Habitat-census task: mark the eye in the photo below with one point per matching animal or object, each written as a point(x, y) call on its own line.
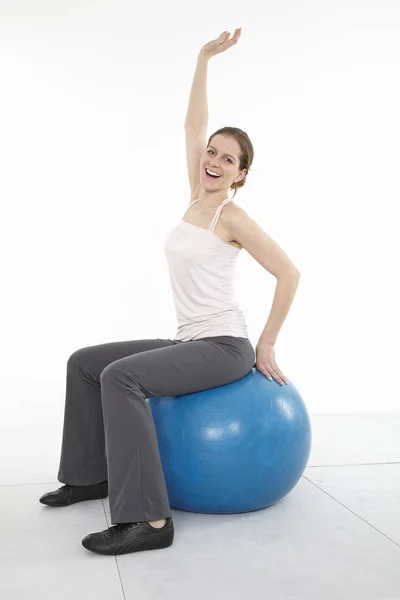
point(230, 160)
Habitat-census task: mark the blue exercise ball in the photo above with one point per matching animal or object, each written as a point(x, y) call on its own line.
point(235, 448)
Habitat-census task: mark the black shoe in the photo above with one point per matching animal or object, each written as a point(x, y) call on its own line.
point(130, 537)
point(69, 494)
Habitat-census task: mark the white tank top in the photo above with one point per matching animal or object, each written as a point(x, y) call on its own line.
point(202, 269)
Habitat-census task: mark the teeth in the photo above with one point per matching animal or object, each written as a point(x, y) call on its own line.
point(212, 172)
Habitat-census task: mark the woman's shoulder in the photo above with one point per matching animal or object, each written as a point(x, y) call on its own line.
point(233, 211)
point(231, 214)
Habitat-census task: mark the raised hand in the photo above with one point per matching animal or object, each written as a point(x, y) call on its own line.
point(222, 43)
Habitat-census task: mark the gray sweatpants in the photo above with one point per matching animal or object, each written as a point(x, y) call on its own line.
point(109, 431)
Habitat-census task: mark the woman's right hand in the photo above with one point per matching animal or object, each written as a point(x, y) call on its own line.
point(221, 44)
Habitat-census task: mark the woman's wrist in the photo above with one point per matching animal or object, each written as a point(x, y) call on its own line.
point(203, 55)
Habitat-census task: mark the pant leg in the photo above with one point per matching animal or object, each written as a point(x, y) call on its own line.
point(136, 483)
point(83, 458)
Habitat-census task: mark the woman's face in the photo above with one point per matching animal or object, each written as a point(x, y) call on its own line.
point(221, 157)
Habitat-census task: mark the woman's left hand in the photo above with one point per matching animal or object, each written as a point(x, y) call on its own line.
point(222, 43)
point(265, 362)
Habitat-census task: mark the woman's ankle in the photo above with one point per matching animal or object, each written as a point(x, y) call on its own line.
point(158, 524)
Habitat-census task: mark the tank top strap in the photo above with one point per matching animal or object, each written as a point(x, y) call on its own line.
point(191, 204)
point(217, 213)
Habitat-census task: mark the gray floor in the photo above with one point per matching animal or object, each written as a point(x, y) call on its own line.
point(335, 536)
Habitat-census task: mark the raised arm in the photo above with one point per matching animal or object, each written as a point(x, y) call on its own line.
point(197, 113)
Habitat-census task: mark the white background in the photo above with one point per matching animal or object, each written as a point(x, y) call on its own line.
point(93, 178)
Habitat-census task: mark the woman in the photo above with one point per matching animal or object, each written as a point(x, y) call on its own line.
point(109, 439)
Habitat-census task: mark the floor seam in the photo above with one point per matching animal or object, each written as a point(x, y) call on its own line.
point(352, 512)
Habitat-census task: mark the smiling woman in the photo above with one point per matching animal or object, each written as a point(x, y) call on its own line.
point(227, 160)
point(219, 165)
point(109, 442)
point(230, 157)
point(229, 152)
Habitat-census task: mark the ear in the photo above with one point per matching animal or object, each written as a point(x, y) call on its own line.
point(241, 175)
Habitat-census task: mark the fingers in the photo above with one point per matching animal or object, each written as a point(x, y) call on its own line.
point(237, 34)
point(280, 377)
point(275, 373)
point(234, 38)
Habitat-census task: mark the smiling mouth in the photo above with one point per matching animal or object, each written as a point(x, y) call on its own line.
point(211, 176)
